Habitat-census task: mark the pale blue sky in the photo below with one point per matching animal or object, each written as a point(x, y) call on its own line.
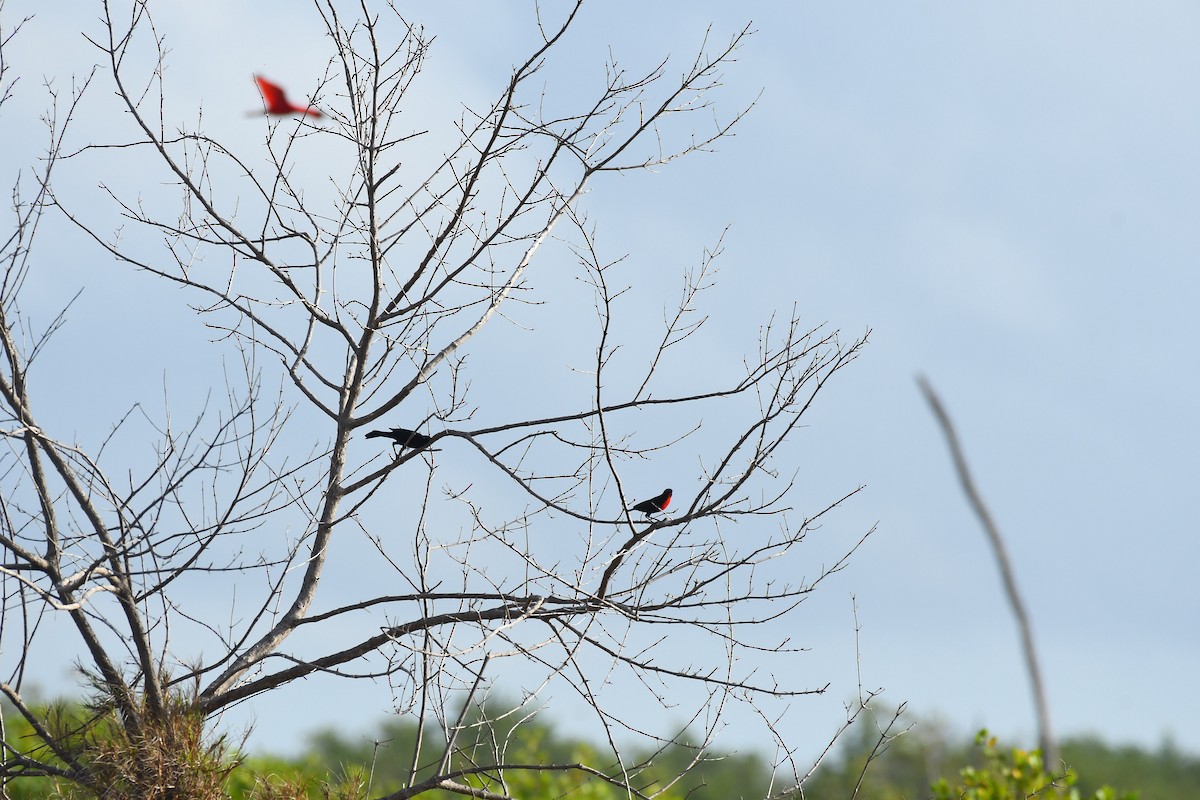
point(1007, 195)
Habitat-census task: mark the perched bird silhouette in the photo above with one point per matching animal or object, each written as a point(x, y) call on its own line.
point(276, 101)
point(403, 437)
point(655, 504)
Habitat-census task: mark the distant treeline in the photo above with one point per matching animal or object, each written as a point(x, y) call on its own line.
point(924, 762)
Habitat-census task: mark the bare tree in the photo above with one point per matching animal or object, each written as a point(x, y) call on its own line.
point(200, 580)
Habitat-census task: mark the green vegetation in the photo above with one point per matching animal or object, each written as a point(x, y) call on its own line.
point(1015, 774)
point(924, 763)
point(169, 758)
point(355, 768)
point(382, 764)
point(927, 763)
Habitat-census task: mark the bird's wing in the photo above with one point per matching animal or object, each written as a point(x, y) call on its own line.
point(273, 95)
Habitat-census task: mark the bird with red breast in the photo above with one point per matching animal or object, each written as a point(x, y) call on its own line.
point(276, 101)
point(655, 505)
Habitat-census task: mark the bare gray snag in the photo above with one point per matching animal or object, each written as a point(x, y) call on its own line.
point(1046, 738)
point(202, 577)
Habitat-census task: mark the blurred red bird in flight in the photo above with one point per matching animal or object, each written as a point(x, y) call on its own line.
point(277, 102)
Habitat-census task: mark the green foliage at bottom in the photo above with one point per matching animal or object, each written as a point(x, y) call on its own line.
point(925, 762)
point(178, 760)
point(543, 765)
point(1015, 774)
point(166, 756)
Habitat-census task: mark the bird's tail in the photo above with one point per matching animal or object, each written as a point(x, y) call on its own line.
point(374, 434)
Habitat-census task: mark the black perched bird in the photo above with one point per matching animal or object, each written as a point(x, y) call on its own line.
point(654, 504)
point(403, 437)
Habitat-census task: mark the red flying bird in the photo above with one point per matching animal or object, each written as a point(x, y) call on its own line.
point(655, 504)
point(277, 102)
